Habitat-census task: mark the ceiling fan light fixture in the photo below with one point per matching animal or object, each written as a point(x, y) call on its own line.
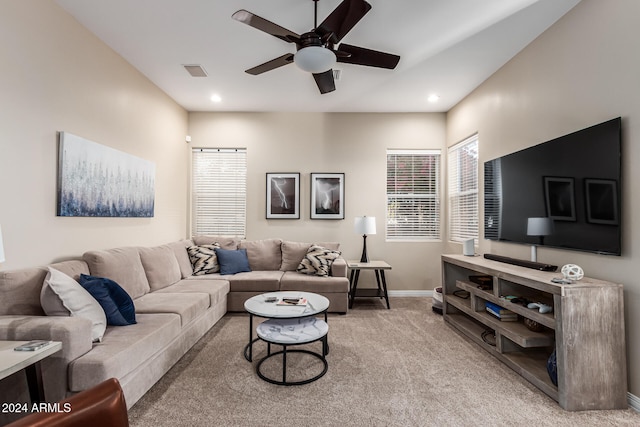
point(314, 59)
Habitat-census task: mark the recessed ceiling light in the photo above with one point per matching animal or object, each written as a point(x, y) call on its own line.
point(433, 98)
point(215, 98)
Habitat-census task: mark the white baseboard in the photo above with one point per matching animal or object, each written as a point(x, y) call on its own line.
point(634, 402)
point(416, 293)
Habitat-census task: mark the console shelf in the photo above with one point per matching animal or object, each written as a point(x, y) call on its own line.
point(586, 328)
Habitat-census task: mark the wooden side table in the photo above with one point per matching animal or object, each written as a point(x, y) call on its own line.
point(12, 361)
point(378, 267)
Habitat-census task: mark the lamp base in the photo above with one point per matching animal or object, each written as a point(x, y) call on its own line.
point(365, 256)
point(534, 253)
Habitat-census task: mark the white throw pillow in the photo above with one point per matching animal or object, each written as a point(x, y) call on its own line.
point(76, 299)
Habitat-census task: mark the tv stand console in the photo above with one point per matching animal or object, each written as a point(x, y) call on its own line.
point(586, 329)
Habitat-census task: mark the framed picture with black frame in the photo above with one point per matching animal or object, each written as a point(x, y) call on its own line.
point(601, 198)
point(560, 198)
point(283, 195)
point(327, 196)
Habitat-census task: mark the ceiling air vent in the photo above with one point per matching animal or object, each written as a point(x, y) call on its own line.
point(195, 70)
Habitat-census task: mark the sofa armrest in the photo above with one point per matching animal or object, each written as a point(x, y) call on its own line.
point(73, 332)
point(339, 267)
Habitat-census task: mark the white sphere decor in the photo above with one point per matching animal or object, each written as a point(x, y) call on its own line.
point(572, 272)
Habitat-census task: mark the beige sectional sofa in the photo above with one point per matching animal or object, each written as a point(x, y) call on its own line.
point(174, 309)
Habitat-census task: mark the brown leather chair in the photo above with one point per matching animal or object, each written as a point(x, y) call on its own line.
point(102, 405)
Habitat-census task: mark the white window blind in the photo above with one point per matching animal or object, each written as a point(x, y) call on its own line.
point(413, 205)
point(463, 190)
point(219, 191)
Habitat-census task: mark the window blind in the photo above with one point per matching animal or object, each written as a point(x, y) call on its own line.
point(463, 190)
point(219, 191)
point(413, 205)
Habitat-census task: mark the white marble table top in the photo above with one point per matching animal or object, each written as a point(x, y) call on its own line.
point(258, 306)
point(292, 331)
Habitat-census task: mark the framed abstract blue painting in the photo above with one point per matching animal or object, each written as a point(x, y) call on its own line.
point(98, 181)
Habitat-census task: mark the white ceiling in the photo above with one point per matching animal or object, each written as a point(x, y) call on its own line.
point(447, 47)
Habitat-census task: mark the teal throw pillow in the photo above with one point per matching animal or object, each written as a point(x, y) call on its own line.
point(232, 261)
point(115, 301)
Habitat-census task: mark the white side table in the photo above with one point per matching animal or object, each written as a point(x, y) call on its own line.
point(378, 267)
point(12, 361)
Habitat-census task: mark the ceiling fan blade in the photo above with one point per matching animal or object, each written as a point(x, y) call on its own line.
point(270, 65)
point(325, 81)
point(343, 19)
point(368, 57)
point(268, 27)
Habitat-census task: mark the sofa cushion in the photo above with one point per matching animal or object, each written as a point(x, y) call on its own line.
point(263, 254)
point(63, 296)
point(224, 242)
point(255, 281)
point(122, 265)
point(180, 250)
point(20, 290)
point(160, 266)
point(318, 261)
point(123, 350)
point(203, 259)
point(216, 289)
point(115, 302)
point(72, 268)
point(294, 252)
point(293, 281)
point(233, 261)
point(186, 305)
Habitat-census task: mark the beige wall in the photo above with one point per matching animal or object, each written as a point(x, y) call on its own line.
point(582, 71)
point(56, 76)
point(315, 142)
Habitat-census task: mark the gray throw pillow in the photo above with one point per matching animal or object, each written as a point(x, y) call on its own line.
point(59, 289)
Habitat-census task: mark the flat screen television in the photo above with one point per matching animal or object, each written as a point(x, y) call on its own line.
point(564, 193)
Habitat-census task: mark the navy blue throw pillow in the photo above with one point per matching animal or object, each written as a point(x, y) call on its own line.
point(115, 301)
point(232, 262)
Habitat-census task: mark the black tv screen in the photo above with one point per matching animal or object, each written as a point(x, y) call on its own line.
point(564, 193)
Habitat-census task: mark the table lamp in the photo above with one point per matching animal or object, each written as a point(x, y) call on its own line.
point(1, 247)
point(365, 225)
point(538, 227)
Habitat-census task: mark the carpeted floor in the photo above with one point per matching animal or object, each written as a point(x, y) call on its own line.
point(398, 367)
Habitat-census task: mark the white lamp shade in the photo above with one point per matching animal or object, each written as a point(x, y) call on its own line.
point(539, 226)
point(315, 59)
point(365, 225)
point(1, 247)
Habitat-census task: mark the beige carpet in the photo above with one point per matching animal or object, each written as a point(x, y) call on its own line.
point(398, 367)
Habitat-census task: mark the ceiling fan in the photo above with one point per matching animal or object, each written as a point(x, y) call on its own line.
point(316, 49)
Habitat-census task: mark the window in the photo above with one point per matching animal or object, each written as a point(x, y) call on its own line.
point(219, 191)
point(413, 205)
point(463, 190)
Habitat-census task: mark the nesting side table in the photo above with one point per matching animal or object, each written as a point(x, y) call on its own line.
point(378, 267)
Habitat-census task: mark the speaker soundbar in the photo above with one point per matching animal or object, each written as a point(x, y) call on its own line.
point(522, 262)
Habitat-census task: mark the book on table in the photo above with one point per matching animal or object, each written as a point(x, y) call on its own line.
point(500, 312)
point(292, 301)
